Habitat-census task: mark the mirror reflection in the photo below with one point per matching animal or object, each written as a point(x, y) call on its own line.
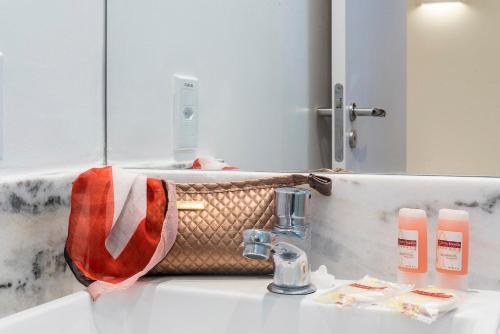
point(366, 86)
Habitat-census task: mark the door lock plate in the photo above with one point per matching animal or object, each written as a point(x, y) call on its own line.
point(339, 122)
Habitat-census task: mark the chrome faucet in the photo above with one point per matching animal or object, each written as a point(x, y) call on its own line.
point(292, 274)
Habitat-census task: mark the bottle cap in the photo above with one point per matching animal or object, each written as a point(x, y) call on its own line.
point(450, 281)
point(412, 213)
point(457, 215)
point(419, 280)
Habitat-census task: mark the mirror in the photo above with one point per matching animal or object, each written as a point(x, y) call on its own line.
point(253, 84)
point(259, 67)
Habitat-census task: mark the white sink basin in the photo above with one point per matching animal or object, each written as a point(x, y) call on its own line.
point(234, 305)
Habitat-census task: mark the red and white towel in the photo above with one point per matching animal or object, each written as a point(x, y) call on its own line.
point(121, 225)
point(210, 163)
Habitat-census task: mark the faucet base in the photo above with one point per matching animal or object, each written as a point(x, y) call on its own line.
point(286, 290)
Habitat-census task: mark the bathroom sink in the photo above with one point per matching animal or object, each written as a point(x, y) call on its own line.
point(233, 305)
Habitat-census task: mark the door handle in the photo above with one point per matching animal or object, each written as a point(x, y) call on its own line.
point(354, 112)
point(324, 112)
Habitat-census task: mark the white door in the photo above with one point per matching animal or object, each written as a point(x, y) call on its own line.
point(369, 69)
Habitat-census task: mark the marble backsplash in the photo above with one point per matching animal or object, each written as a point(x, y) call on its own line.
point(354, 231)
point(34, 220)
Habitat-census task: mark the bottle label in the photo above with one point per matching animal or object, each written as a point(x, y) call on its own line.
point(449, 250)
point(408, 249)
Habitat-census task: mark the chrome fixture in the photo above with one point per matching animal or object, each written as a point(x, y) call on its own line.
point(291, 267)
point(338, 124)
point(324, 112)
point(353, 138)
point(354, 112)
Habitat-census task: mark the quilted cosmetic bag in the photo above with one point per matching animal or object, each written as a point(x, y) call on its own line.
point(212, 217)
point(125, 225)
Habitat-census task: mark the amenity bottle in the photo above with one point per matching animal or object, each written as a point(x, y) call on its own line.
point(452, 249)
point(412, 246)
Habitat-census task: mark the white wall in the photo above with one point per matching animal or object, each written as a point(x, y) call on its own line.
point(453, 88)
point(263, 66)
point(53, 82)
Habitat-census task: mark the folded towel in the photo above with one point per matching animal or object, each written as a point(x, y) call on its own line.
point(120, 226)
point(210, 163)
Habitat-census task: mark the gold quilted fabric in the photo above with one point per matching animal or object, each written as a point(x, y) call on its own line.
point(209, 241)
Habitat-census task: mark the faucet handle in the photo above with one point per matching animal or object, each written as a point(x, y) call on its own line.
point(286, 251)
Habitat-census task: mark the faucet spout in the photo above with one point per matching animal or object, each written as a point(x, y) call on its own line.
point(257, 244)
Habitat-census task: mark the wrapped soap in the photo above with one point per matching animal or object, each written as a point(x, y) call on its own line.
point(366, 291)
point(321, 278)
point(425, 304)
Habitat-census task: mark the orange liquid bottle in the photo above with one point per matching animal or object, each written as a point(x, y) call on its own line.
point(412, 246)
point(452, 249)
